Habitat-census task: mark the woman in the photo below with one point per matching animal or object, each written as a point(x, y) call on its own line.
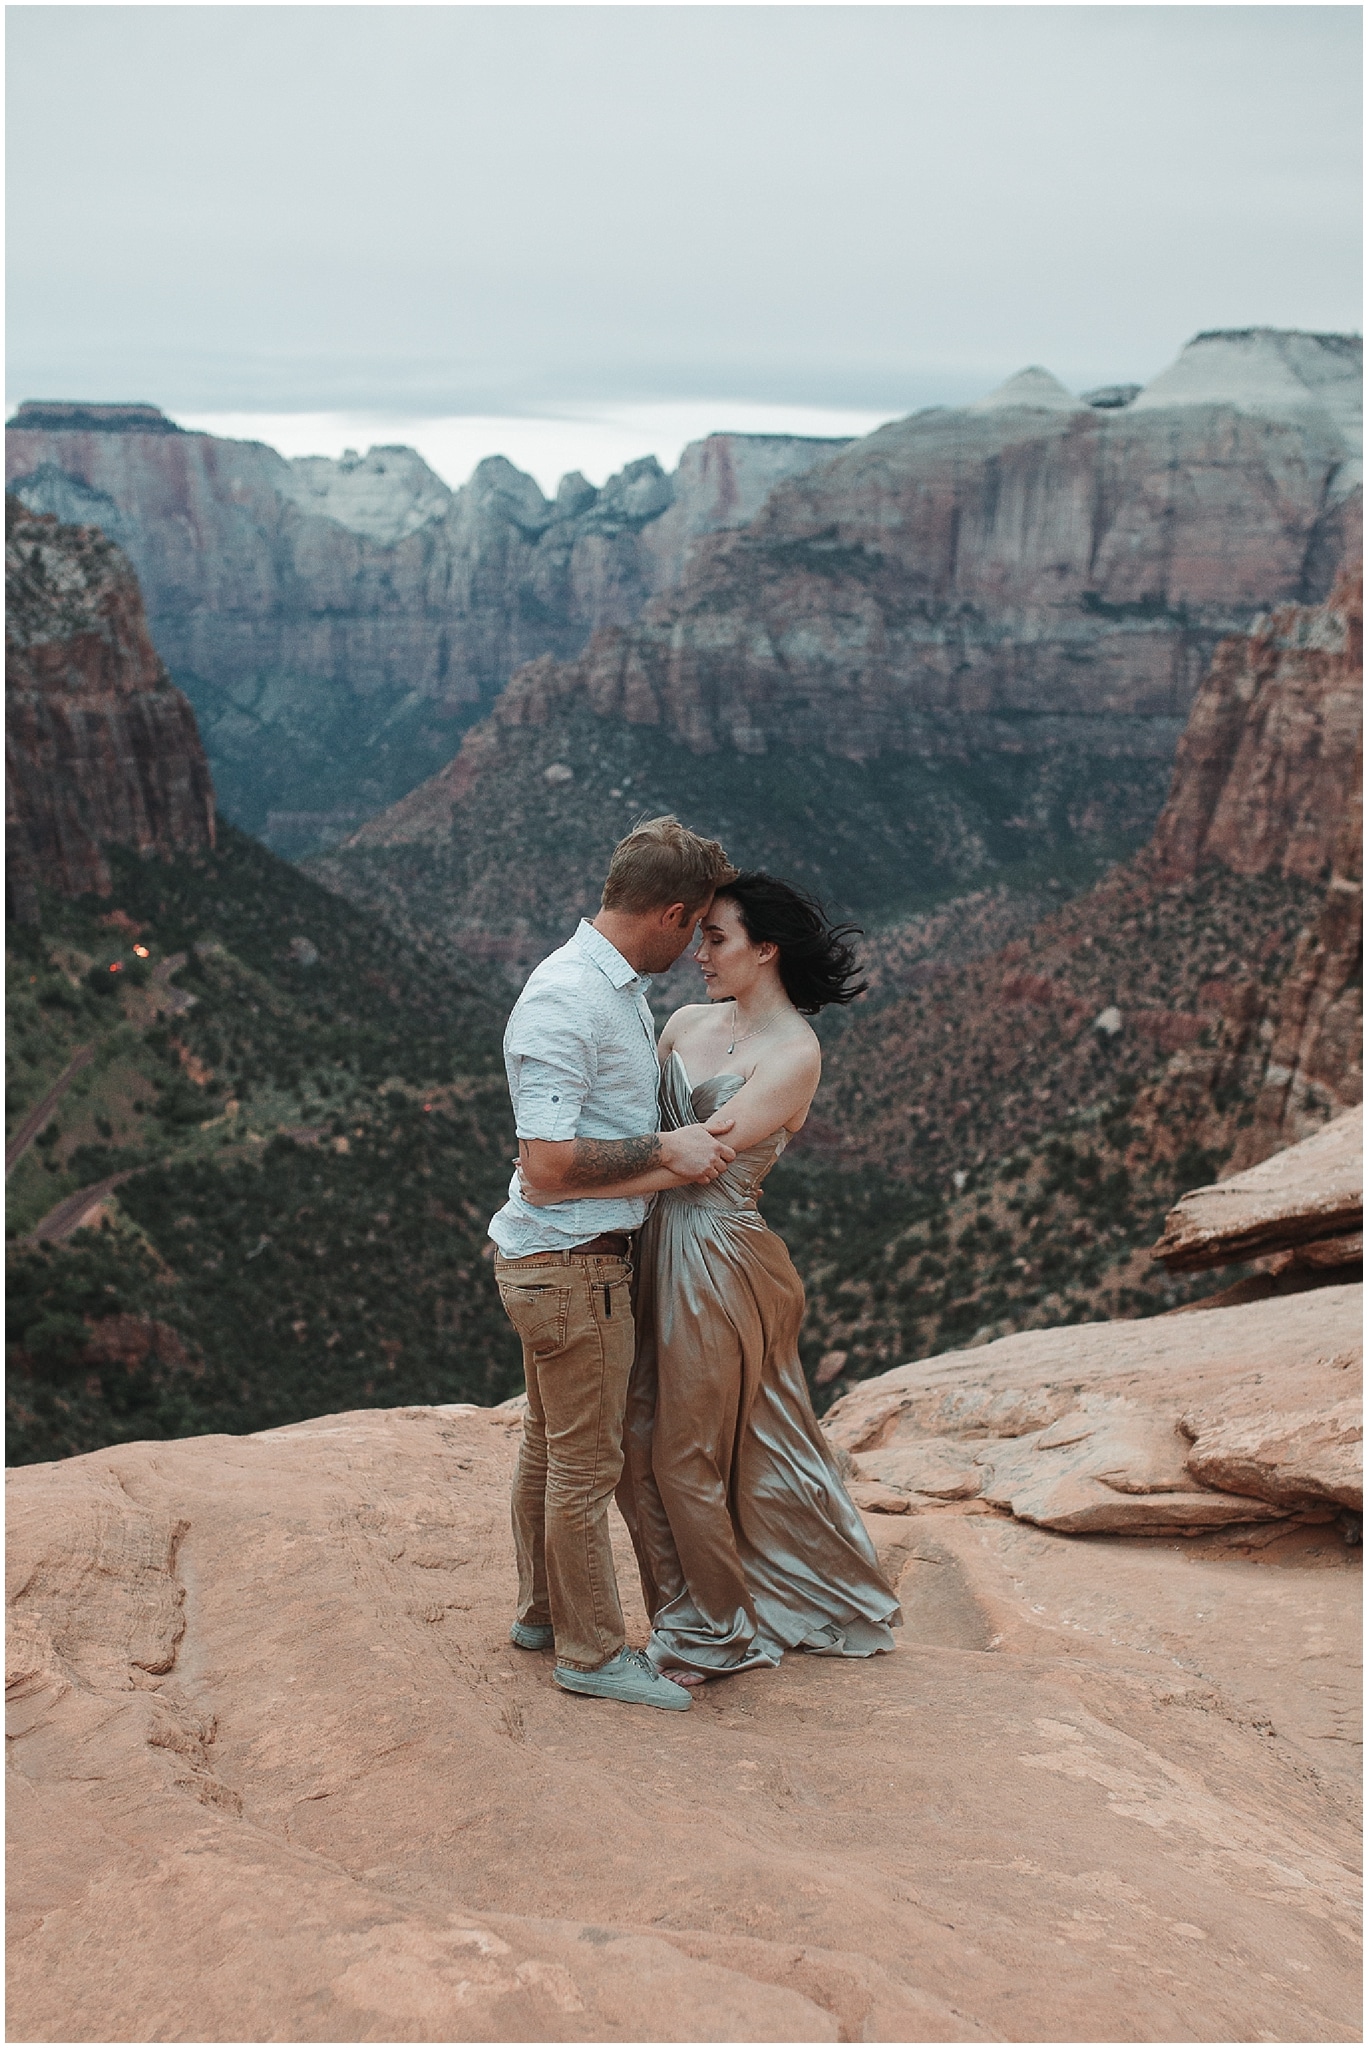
point(747, 1542)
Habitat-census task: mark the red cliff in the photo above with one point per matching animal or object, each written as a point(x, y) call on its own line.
point(1266, 771)
point(100, 748)
point(1232, 944)
point(1268, 780)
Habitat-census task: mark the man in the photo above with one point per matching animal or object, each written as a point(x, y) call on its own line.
point(583, 1075)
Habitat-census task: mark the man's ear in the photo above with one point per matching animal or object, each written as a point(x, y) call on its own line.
point(673, 917)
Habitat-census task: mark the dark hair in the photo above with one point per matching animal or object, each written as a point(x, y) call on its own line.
point(816, 958)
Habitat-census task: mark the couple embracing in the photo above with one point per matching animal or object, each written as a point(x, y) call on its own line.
point(680, 1389)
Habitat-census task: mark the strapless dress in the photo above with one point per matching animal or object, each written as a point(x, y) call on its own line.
point(747, 1542)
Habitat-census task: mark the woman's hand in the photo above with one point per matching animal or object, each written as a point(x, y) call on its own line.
point(535, 1198)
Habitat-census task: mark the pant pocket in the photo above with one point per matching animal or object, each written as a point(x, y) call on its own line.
point(610, 1290)
point(539, 1312)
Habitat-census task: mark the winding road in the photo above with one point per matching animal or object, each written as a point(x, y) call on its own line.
point(33, 1123)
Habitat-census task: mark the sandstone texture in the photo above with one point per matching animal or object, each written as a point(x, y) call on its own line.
point(1307, 1196)
point(277, 1774)
point(1276, 372)
point(100, 747)
point(1268, 779)
point(1314, 1028)
point(336, 623)
point(1185, 1422)
point(1271, 758)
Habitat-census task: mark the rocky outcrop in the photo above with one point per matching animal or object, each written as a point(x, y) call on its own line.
point(1196, 1421)
point(336, 623)
point(276, 1772)
point(1306, 1199)
point(100, 748)
point(1236, 1411)
point(1314, 1065)
point(1268, 779)
point(1270, 762)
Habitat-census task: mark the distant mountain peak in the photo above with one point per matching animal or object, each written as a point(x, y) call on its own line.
point(386, 494)
point(1270, 371)
point(1034, 389)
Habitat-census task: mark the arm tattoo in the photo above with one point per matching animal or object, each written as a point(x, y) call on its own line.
point(596, 1162)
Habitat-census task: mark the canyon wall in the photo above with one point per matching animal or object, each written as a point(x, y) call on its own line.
point(1232, 944)
point(100, 748)
point(1027, 588)
point(1264, 777)
point(1027, 570)
point(1269, 781)
point(969, 639)
point(336, 624)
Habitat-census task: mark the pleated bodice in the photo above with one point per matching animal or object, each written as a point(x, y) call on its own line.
point(737, 1189)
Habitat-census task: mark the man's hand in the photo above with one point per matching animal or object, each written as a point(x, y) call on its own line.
point(559, 1169)
point(695, 1153)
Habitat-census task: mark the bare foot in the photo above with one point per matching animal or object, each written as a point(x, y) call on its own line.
point(685, 1678)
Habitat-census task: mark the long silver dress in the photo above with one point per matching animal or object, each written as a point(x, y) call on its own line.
point(747, 1542)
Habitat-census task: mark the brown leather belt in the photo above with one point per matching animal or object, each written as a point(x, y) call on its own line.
point(613, 1244)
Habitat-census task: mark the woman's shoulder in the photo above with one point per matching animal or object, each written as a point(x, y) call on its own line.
point(801, 1043)
point(683, 1020)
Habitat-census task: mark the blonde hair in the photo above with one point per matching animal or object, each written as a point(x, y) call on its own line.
point(661, 862)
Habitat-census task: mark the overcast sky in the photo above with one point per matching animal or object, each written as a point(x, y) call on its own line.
point(428, 211)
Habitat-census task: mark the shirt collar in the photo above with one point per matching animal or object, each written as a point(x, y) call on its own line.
point(608, 960)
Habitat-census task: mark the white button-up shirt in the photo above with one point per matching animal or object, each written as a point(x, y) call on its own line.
point(580, 1056)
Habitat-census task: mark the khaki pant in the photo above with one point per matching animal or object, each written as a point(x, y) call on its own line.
point(573, 1312)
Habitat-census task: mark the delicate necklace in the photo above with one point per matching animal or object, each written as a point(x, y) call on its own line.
point(758, 1032)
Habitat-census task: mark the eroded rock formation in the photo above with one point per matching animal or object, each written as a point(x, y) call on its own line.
point(100, 747)
point(1315, 1027)
point(1031, 558)
point(336, 623)
point(1266, 772)
point(1305, 1200)
point(1237, 1406)
point(1007, 607)
point(1192, 1421)
point(1188, 950)
point(1268, 779)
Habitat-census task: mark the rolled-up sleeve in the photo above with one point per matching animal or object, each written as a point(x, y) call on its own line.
point(552, 1057)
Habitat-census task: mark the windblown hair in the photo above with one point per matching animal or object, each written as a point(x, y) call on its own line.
point(817, 961)
point(661, 862)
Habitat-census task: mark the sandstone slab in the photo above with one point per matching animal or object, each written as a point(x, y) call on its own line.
point(1282, 1439)
point(877, 1499)
point(277, 1774)
point(937, 1467)
point(1238, 1415)
point(1310, 1191)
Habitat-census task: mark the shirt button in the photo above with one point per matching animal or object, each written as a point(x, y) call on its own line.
point(555, 1098)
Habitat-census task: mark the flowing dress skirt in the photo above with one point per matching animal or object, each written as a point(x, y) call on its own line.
point(747, 1542)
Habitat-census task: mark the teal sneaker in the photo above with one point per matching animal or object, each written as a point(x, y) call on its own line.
point(629, 1677)
point(532, 1635)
